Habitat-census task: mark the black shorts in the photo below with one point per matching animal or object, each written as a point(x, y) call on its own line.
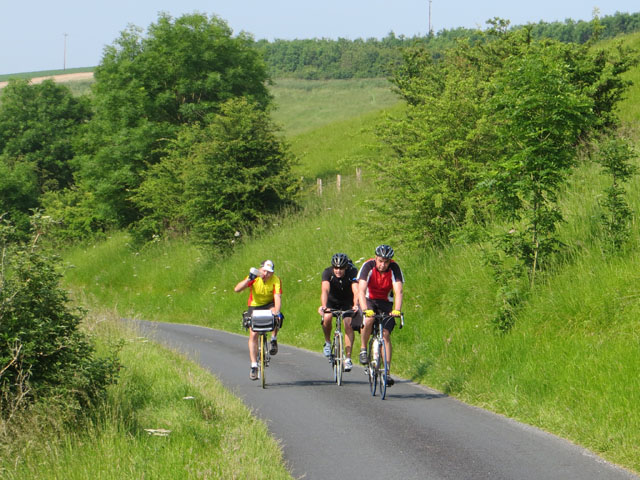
point(356, 320)
point(382, 306)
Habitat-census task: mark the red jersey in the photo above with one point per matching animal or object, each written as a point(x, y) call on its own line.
point(380, 284)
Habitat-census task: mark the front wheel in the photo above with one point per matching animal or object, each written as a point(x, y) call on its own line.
point(384, 369)
point(338, 358)
point(371, 370)
point(262, 346)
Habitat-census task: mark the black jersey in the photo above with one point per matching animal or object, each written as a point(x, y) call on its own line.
point(340, 289)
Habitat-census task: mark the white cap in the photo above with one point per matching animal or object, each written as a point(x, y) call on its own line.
point(268, 265)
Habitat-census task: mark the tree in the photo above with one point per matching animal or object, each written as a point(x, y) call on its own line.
point(538, 115)
point(220, 178)
point(147, 88)
point(38, 125)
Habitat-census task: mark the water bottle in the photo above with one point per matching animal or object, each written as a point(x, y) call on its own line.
point(375, 352)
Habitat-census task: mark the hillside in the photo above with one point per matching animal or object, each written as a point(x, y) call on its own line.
point(568, 366)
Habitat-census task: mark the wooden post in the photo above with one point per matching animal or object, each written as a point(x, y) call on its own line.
point(358, 174)
point(338, 182)
point(319, 186)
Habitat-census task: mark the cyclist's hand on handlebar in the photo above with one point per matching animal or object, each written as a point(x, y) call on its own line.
point(396, 313)
point(369, 313)
point(322, 310)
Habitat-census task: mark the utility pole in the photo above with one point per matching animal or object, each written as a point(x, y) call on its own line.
point(429, 33)
point(64, 62)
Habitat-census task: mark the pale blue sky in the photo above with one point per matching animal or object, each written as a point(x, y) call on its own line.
point(32, 33)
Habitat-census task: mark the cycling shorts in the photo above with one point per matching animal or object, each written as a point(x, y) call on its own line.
point(382, 306)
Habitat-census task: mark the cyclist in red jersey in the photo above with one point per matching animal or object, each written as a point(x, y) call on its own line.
point(380, 290)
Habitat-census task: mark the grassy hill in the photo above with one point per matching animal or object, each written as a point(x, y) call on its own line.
point(570, 364)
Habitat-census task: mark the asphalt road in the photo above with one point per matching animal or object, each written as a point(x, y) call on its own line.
point(343, 432)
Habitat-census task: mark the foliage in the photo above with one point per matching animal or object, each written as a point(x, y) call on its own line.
point(146, 88)
point(43, 354)
point(615, 156)
point(322, 59)
point(37, 127)
point(537, 114)
point(218, 179)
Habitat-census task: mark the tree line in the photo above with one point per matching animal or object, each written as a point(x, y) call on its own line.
point(315, 59)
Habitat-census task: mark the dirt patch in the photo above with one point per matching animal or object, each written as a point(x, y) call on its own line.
point(65, 77)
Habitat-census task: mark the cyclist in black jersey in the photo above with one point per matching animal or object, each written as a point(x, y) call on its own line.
point(340, 291)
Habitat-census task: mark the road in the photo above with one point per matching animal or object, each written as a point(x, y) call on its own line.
point(415, 433)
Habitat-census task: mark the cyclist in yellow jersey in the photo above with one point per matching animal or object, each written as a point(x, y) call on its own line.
point(265, 294)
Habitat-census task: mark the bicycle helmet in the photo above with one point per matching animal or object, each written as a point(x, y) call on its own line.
point(339, 260)
point(384, 251)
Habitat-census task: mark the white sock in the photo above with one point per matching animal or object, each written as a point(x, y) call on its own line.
point(273, 338)
point(254, 364)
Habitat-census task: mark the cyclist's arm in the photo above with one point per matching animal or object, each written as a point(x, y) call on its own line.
point(362, 292)
point(242, 284)
point(356, 294)
point(277, 301)
point(397, 295)
point(324, 294)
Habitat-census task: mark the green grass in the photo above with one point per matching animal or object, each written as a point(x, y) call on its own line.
point(211, 433)
point(305, 105)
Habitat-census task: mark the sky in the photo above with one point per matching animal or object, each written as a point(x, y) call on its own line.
point(41, 35)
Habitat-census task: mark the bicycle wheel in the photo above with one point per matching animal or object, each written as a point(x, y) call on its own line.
point(371, 370)
point(383, 367)
point(338, 363)
point(261, 347)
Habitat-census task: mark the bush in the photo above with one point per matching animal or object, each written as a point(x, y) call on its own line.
point(43, 354)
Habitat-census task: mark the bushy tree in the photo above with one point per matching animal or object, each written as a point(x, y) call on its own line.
point(223, 177)
point(147, 87)
point(43, 353)
point(38, 124)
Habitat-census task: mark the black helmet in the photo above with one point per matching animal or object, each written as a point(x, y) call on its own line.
point(384, 251)
point(339, 260)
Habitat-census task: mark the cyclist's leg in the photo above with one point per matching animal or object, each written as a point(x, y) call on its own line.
point(348, 336)
point(253, 347)
point(326, 327)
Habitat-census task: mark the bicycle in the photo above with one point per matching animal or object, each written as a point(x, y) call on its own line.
point(377, 369)
point(337, 345)
point(261, 322)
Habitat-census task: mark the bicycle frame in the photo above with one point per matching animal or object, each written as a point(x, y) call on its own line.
point(337, 346)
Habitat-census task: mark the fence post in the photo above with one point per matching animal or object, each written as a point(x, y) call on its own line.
point(319, 186)
point(338, 182)
point(358, 174)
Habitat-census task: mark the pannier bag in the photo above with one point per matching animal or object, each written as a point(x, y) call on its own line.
point(262, 321)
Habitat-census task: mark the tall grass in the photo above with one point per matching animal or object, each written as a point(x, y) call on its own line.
point(166, 418)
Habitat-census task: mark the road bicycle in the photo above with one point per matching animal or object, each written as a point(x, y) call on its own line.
point(377, 368)
point(262, 322)
point(337, 345)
